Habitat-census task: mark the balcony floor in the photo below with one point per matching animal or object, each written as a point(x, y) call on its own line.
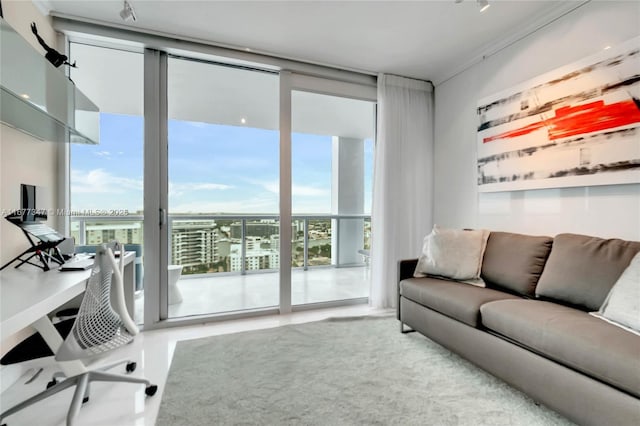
point(228, 293)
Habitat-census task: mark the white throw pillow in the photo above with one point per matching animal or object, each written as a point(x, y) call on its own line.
point(453, 254)
point(622, 305)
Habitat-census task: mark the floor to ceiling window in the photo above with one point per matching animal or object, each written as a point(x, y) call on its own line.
point(106, 180)
point(217, 153)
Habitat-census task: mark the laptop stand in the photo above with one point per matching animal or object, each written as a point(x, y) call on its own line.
point(43, 244)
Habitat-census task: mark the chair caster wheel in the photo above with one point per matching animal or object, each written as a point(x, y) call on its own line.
point(85, 399)
point(131, 367)
point(52, 383)
point(151, 390)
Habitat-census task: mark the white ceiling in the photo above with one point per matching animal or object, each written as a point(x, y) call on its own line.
point(205, 93)
point(421, 39)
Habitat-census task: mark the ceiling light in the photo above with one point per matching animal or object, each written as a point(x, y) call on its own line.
point(25, 96)
point(127, 13)
point(483, 5)
point(607, 47)
point(243, 120)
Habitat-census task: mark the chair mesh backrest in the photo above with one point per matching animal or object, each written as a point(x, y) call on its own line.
point(97, 328)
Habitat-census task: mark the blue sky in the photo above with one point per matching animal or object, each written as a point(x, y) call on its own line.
point(212, 169)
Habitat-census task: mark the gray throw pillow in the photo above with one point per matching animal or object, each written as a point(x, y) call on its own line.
point(581, 270)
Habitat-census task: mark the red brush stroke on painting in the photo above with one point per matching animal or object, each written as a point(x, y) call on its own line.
point(578, 120)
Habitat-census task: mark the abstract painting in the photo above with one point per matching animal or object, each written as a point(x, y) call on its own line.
point(578, 125)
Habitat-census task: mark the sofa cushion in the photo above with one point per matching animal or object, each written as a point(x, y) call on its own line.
point(581, 270)
point(570, 337)
point(514, 261)
point(455, 300)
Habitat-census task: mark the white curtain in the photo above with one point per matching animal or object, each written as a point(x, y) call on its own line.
point(402, 212)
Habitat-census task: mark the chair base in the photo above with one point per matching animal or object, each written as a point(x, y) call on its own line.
point(81, 394)
point(130, 368)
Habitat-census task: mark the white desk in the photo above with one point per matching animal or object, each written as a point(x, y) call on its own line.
point(28, 294)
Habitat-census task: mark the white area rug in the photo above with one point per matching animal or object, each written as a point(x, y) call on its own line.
point(347, 371)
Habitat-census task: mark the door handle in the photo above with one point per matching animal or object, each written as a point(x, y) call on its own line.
point(163, 217)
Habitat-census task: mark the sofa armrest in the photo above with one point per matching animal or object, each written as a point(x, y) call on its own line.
point(406, 268)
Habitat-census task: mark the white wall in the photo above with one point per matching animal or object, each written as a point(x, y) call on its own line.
point(607, 211)
point(24, 159)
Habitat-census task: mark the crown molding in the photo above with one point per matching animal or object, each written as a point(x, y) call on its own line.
point(535, 24)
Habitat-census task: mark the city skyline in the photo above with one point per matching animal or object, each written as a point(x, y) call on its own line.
point(211, 246)
point(239, 174)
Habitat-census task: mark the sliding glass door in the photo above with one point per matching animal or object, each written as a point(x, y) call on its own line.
point(331, 164)
point(262, 185)
point(223, 219)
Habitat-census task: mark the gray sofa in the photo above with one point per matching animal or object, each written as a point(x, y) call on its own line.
point(530, 326)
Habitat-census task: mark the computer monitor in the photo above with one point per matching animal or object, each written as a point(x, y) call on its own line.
point(28, 204)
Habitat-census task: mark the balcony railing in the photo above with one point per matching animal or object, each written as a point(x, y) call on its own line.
point(314, 237)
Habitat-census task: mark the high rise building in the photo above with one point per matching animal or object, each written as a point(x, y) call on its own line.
point(127, 233)
point(255, 260)
point(264, 228)
point(194, 242)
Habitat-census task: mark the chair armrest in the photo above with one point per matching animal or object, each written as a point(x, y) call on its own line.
point(406, 268)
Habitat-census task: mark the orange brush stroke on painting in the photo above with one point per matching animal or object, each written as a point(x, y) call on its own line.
point(587, 118)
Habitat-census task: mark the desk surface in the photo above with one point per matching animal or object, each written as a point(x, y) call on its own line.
point(28, 293)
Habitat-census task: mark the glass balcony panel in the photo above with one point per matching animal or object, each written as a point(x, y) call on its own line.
point(319, 242)
point(297, 243)
point(262, 245)
point(367, 234)
point(240, 292)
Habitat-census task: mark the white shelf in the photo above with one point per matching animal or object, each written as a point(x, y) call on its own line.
point(38, 98)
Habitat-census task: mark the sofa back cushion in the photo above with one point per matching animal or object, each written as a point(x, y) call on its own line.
point(581, 270)
point(514, 261)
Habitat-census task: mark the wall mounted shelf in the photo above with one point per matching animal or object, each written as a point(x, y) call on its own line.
point(38, 99)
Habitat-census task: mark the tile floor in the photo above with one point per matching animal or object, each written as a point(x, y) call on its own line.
point(125, 404)
point(226, 293)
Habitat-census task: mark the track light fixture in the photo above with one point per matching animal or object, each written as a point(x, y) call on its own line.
point(127, 13)
point(483, 5)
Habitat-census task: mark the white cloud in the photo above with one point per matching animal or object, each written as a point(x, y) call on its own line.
point(296, 190)
point(250, 206)
point(273, 186)
point(309, 191)
point(178, 189)
point(99, 181)
point(103, 154)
